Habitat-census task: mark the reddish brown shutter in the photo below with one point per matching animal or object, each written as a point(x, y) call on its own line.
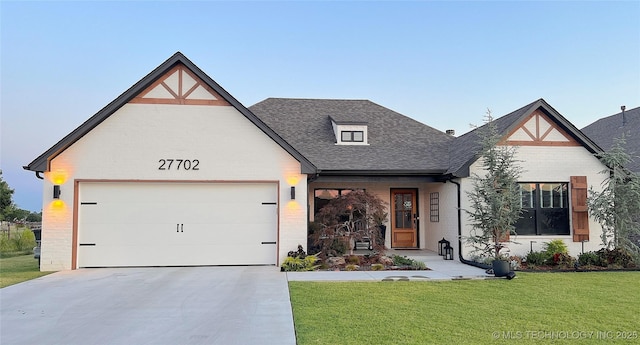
point(579, 210)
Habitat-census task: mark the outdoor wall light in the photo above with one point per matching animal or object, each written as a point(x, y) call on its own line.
point(448, 252)
point(56, 191)
point(531, 245)
point(293, 193)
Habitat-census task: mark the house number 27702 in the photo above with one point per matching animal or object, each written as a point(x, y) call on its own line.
point(177, 164)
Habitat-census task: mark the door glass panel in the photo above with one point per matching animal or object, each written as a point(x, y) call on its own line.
point(404, 210)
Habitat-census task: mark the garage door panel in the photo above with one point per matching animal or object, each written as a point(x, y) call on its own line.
point(176, 224)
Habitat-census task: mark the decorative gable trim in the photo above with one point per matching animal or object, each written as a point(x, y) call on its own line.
point(537, 129)
point(180, 86)
point(42, 162)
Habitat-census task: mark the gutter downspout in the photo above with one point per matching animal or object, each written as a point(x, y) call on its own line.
point(38, 175)
point(462, 259)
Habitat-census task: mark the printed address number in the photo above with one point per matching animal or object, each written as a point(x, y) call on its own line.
point(177, 164)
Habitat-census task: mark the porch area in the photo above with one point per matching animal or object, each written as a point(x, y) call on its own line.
point(439, 269)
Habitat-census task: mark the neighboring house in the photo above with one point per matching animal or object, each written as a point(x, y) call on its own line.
point(604, 131)
point(177, 172)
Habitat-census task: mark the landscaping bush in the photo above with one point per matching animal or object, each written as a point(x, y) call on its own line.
point(377, 267)
point(536, 258)
point(401, 260)
point(299, 261)
point(617, 257)
point(297, 264)
point(590, 259)
point(21, 242)
point(554, 247)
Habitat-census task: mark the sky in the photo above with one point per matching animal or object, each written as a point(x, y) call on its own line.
point(441, 63)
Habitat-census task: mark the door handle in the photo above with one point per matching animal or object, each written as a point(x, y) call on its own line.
point(181, 227)
point(177, 227)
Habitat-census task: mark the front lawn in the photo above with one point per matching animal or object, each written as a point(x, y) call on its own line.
point(18, 269)
point(536, 308)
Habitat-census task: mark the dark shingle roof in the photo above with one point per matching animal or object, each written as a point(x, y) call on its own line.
point(397, 144)
point(464, 150)
point(605, 130)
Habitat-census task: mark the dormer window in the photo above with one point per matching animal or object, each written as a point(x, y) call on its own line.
point(350, 132)
point(352, 136)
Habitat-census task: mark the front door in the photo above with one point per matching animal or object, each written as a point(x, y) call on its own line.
point(404, 218)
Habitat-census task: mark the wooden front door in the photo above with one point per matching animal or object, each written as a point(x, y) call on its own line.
point(404, 218)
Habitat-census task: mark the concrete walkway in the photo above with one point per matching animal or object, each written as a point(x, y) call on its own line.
point(439, 269)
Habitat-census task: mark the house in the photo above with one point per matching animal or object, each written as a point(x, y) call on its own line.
point(627, 122)
point(176, 172)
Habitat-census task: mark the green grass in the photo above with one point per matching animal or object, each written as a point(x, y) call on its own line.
point(17, 269)
point(471, 311)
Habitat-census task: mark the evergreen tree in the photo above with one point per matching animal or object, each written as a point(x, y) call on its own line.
point(617, 206)
point(495, 197)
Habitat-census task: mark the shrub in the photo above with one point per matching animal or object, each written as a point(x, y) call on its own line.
point(536, 258)
point(590, 259)
point(353, 259)
point(418, 265)
point(561, 259)
point(401, 260)
point(377, 267)
point(616, 257)
point(351, 267)
point(297, 264)
point(20, 241)
point(555, 246)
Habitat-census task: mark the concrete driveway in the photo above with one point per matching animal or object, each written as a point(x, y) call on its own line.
point(164, 305)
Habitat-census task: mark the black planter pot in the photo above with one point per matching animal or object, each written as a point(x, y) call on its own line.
point(500, 268)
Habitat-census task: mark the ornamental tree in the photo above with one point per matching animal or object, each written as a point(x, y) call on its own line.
point(495, 197)
point(617, 206)
point(350, 217)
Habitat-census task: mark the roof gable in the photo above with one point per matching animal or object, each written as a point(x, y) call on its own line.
point(175, 81)
point(535, 124)
point(179, 86)
point(538, 129)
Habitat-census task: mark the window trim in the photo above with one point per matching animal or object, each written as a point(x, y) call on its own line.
point(351, 138)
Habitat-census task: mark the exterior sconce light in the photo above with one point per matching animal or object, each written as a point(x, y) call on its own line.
point(531, 245)
point(448, 252)
point(293, 193)
point(441, 244)
point(56, 191)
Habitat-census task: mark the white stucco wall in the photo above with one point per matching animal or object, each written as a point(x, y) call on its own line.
point(547, 164)
point(129, 144)
point(447, 226)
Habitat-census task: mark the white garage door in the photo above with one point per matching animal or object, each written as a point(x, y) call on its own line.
point(176, 224)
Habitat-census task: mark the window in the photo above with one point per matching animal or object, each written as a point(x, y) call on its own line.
point(434, 207)
point(545, 209)
point(352, 136)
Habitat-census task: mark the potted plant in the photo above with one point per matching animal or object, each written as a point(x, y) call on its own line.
point(495, 198)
